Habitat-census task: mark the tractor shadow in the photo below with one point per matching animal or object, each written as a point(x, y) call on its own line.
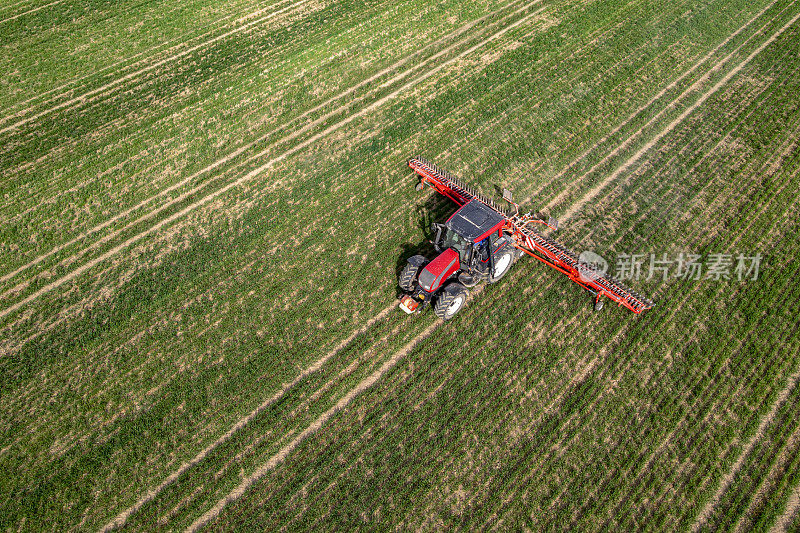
point(435, 209)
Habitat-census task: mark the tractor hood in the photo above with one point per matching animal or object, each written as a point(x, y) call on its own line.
point(439, 270)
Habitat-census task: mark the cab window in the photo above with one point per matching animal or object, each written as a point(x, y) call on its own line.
point(458, 243)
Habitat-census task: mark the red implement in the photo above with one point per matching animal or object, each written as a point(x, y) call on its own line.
point(534, 243)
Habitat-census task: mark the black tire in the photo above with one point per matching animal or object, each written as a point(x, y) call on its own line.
point(407, 277)
point(503, 261)
point(450, 301)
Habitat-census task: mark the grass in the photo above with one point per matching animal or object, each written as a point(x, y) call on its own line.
point(524, 411)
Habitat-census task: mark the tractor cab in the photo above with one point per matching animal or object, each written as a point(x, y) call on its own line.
point(471, 231)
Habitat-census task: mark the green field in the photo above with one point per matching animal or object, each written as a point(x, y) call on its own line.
point(206, 206)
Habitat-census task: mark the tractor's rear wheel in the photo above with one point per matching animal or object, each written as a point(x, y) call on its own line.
point(407, 277)
point(451, 301)
point(502, 264)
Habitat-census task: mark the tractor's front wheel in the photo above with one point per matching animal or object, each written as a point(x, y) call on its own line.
point(451, 301)
point(502, 264)
point(407, 277)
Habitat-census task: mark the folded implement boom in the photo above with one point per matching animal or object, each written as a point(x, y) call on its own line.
point(534, 243)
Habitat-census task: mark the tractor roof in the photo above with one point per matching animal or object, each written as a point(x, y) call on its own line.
point(475, 221)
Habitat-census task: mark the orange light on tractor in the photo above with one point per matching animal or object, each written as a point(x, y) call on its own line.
point(408, 304)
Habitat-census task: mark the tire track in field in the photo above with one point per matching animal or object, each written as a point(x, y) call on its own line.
point(250, 175)
point(591, 194)
point(582, 369)
point(123, 517)
point(34, 10)
point(729, 476)
point(792, 511)
point(778, 222)
point(776, 471)
point(270, 437)
point(588, 364)
point(778, 155)
point(741, 234)
point(591, 364)
point(52, 186)
point(9, 7)
point(112, 84)
point(281, 455)
point(707, 150)
point(159, 48)
point(56, 193)
point(366, 383)
point(241, 150)
point(606, 347)
point(644, 466)
point(682, 427)
point(658, 96)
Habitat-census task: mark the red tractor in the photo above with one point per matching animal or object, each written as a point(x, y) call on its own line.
point(480, 242)
point(472, 249)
